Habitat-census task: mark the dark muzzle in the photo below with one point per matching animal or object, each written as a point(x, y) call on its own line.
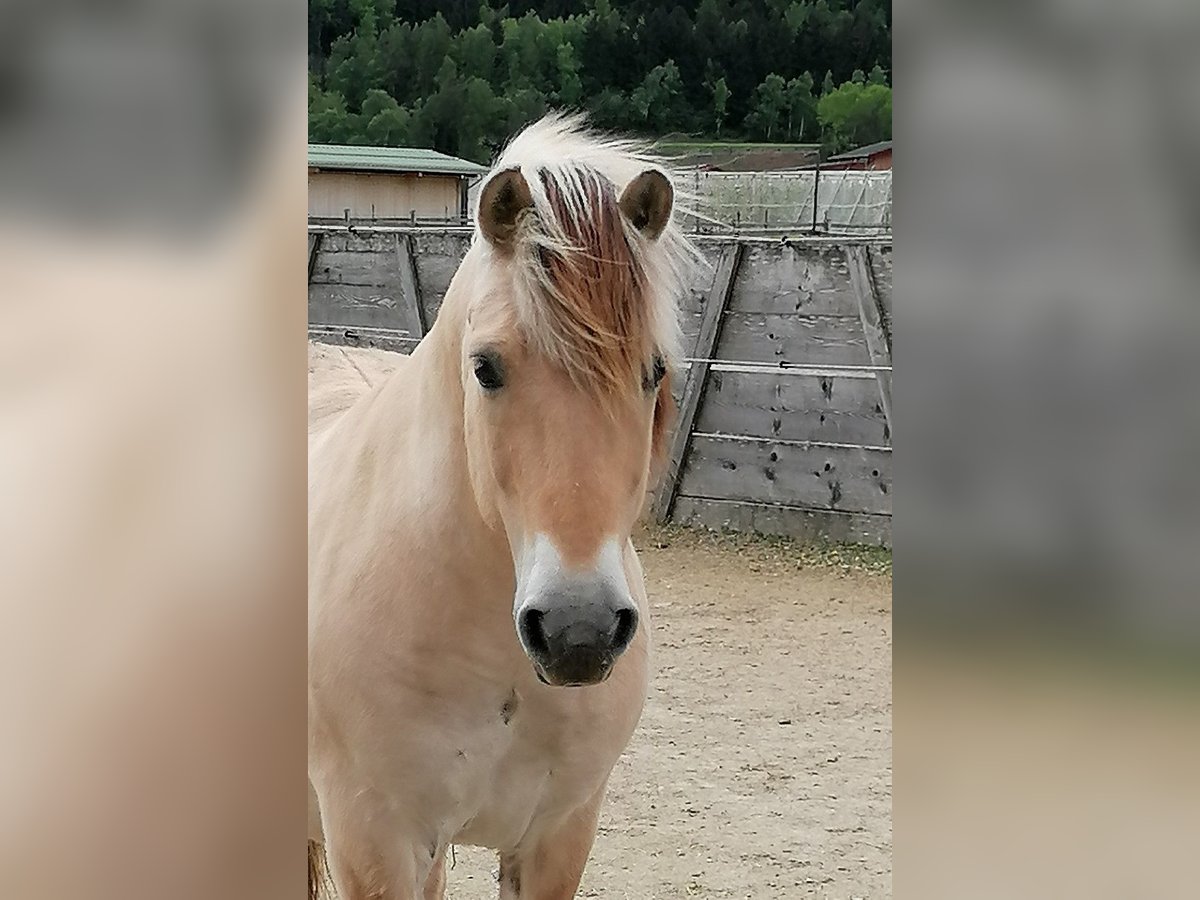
point(575, 636)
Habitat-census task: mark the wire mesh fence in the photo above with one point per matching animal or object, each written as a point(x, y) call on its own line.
point(811, 200)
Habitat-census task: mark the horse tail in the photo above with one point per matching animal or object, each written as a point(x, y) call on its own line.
point(318, 870)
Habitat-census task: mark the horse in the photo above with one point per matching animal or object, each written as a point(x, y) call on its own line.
point(479, 635)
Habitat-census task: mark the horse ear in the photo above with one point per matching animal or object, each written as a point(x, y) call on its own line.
point(501, 202)
point(647, 202)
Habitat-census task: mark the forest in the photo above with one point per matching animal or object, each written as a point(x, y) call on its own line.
point(461, 76)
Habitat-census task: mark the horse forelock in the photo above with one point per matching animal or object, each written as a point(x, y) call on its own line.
point(591, 313)
point(593, 294)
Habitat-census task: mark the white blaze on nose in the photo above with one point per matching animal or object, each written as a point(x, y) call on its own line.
point(541, 569)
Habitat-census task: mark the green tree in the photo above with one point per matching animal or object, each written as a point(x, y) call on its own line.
point(386, 120)
point(389, 128)
point(521, 52)
point(475, 51)
point(372, 14)
point(397, 63)
point(855, 114)
point(431, 46)
point(796, 16)
point(570, 85)
point(770, 105)
point(720, 96)
point(478, 136)
point(710, 67)
point(376, 101)
point(801, 107)
point(353, 66)
point(609, 108)
point(657, 99)
point(522, 106)
point(604, 50)
point(327, 117)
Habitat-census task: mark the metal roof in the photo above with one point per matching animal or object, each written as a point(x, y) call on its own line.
point(861, 152)
point(344, 157)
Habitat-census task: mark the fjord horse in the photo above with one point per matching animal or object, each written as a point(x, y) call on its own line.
point(478, 629)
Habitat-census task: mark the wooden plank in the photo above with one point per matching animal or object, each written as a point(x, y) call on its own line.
point(844, 410)
point(377, 338)
point(786, 278)
point(706, 341)
point(351, 305)
point(436, 257)
point(788, 521)
point(692, 303)
point(880, 258)
point(409, 282)
point(454, 244)
point(314, 247)
point(362, 268)
point(814, 476)
point(775, 337)
point(878, 341)
point(365, 287)
point(690, 318)
point(355, 242)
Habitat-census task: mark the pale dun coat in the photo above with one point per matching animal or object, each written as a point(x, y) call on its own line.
point(478, 630)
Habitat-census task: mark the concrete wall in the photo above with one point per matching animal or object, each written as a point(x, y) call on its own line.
point(786, 393)
point(382, 195)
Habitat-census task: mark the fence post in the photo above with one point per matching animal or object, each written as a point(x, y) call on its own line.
point(314, 246)
point(879, 346)
point(693, 390)
point(816, 190)
point(409, 282)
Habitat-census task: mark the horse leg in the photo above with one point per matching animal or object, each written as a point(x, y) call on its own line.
point(369, 873)
point(435, 884)
point(551, 868)
point(370, 859)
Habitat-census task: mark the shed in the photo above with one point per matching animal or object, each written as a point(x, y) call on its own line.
point(387, 183)
point(872, 157)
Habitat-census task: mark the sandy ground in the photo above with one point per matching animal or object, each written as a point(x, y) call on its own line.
point(762, 764)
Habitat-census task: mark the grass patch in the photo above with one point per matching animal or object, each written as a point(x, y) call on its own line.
point(776, 551)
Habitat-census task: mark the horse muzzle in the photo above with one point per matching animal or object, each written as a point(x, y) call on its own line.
point(575, 636)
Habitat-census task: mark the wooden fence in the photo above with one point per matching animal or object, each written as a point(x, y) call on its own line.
point(785, 410)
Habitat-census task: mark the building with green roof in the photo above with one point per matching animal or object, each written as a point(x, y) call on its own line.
point(387, 183)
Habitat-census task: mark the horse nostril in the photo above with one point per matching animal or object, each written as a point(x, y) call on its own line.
point(532, 631)
point(626, 627)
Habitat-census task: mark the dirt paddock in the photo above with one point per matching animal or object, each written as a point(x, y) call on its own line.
point(762, 764)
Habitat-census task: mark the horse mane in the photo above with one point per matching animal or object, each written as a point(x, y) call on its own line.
point(593, 293)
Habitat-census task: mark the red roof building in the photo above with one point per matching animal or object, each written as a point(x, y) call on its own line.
point(873, 157)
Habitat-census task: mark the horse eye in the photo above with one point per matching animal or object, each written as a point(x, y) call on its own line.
point(658, 369)
point(487, 372)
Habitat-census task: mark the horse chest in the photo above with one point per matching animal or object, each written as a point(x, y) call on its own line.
point(539, 763)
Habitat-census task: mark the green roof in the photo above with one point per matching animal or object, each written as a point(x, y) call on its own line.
point(388, 159)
